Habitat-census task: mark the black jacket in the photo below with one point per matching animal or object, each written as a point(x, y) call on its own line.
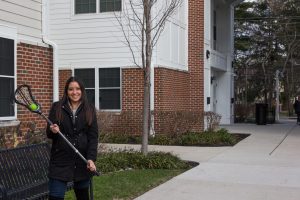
point(297, 106)
point(65, 164)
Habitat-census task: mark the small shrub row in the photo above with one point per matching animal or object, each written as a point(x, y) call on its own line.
point(169, 122)
point(211, 138)
point(129, 159)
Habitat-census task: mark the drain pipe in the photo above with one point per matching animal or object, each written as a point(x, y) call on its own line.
point(45, 15)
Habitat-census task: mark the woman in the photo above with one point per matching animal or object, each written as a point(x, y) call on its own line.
point(76, 119)
point(297, 108)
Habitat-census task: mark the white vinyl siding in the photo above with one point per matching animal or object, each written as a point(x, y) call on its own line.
point(93, 39)
point(25, 15)
point(172, 48)
point(86, 40)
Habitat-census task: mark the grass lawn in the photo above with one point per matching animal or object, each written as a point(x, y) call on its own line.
point(127, 184)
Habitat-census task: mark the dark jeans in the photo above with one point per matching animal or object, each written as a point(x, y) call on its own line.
point(298, 117)
point(58, 188)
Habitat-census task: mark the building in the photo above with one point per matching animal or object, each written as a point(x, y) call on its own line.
point(25, 57)
point(191, 62)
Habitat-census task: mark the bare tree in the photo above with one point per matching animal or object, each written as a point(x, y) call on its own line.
point(268, 36)
point(142, 22)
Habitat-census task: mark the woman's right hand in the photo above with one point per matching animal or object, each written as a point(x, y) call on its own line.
point(54, 128)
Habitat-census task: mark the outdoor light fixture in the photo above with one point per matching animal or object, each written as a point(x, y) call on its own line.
point(207, 54)
point(212, 78)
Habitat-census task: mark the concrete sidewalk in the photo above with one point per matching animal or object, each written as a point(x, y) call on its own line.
point(264, 166)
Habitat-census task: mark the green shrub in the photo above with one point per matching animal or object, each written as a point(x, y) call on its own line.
point(190, 139)
point(227, 137)
point(220, 137)
point(123, 160)
point(161, 140)
point(119, 138)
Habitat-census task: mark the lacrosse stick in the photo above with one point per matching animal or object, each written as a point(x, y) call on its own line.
point(23, 96)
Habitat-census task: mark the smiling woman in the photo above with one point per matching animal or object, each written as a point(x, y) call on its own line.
point(74, 94)
point(75, 117)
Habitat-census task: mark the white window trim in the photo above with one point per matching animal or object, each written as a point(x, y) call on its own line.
point(9, 32)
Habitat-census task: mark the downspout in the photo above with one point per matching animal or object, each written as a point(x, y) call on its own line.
point(45, 17)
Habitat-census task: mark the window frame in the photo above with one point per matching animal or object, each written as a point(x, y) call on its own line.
point(97, 87)
point(109, 88)
point(97, 9)
point(10, 33)
point(88, 88)
point(74, 9)
point(108, 11)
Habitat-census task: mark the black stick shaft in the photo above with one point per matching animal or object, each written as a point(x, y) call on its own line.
point(91, 189)
point(69, 143)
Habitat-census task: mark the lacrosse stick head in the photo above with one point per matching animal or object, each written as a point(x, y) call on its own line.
point(23, 96)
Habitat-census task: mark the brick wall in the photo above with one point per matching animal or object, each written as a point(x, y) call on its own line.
point(171, 94)
point(64, 75)
point(195, 58)
point(35, 68)
point(171, 90)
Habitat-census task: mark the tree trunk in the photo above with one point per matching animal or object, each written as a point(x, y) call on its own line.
point(146, 114)
point(147, 74)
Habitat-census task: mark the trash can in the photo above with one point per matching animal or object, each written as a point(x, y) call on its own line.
point(261, 113)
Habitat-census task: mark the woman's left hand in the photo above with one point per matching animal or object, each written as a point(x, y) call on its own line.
point(91, 165)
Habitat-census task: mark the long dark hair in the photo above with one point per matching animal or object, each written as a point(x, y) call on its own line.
point(87, 108)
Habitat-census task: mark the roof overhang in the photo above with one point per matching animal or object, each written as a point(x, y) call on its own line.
point(234, 2)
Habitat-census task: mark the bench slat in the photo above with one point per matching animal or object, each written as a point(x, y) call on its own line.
point(23, 171)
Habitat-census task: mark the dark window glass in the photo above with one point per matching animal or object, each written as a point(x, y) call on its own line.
point(110, 99)
point(6, 97)
point(91, 95)
point(110, 5)
point(215, 30)
point(87, 76)
point(6, 57)
point(109, 77)
point(109, 85)
point(85, 6)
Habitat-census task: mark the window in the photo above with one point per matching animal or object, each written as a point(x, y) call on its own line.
point(108, 88)
point(85, 6)
point(87, 76)
point(110, 5)
point(215, 30)
point(90, 6)
point(7, 77)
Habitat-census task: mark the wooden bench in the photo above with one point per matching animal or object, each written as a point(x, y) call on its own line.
point(23, 172)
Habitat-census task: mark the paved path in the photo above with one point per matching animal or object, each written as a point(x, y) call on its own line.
point(264, 166)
